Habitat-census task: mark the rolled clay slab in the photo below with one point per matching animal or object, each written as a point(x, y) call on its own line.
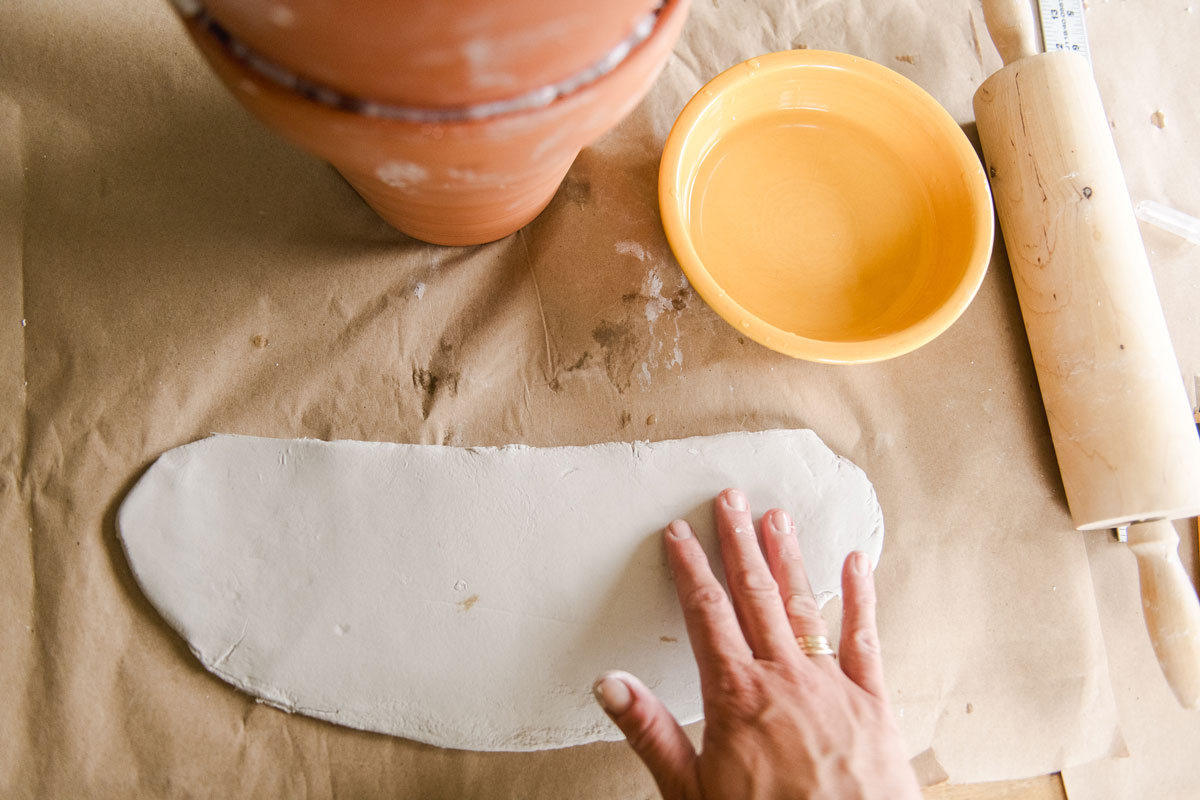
point(462, 597)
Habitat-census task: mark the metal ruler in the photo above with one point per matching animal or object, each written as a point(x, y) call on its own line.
point(1063, 27)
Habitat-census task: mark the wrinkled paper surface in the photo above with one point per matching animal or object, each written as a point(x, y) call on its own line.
point(169, 268)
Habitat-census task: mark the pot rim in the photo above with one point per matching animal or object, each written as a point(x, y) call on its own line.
point(650, 27)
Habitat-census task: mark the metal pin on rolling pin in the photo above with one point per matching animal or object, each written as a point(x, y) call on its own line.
point(1119, 415)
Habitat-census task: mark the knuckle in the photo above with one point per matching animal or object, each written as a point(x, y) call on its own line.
point(646, 733)
point(740, 696)
point(704, 600)
point(866, 641)
point(757, 581)
point(692, 558)
point(802, 606)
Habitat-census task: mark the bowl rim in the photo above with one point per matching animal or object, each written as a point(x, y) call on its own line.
point(891, 345)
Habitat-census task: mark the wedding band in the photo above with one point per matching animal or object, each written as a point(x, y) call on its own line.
point(815, 645)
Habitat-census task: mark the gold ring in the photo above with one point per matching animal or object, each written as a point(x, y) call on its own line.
point(815, 645)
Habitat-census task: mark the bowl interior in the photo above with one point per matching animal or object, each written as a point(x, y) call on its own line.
point(827, 206)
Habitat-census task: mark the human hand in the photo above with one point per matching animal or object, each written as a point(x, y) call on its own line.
point(778, 723)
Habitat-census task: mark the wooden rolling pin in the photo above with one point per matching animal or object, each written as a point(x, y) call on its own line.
point(1119, 415)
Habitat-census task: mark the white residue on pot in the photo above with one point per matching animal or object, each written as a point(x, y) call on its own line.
point(419, 290)
point(401, 174)
point(551, 142)
point(464, 175)
point(471, 176)
point(480, 55)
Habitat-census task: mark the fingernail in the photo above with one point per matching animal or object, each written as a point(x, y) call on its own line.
point(780, 522)
point(735, 499)
point(860, 563)
point(612, 693)
point(679, 530)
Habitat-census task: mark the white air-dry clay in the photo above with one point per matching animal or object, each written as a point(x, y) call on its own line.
point(462, 597)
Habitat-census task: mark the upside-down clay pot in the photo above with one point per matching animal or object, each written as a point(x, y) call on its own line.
point(456, 121)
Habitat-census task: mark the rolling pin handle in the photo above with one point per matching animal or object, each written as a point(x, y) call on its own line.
point(1011, 25)
point(1170, 607)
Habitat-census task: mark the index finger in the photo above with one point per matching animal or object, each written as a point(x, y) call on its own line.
point(712, 626)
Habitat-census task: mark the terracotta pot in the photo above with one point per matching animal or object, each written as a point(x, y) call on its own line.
point(431, 54)
point(477, 165)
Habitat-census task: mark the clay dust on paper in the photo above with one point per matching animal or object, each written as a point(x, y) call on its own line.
point(659, 310)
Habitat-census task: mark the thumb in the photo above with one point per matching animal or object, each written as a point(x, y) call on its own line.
point(651, 731)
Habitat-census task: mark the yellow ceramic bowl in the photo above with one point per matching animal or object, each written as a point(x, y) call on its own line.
point(826, 206)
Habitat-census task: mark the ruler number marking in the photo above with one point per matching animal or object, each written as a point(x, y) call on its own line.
point(1063, 26)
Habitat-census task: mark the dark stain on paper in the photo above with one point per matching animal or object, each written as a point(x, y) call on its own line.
point(619, 345)
point(431, 382)
point(583, 362)
point(577, 190)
